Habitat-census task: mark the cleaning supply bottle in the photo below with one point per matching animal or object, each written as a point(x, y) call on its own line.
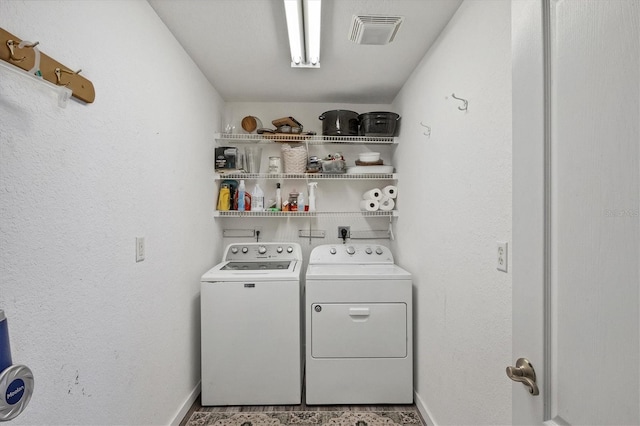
point(241, 191)
point(293, 201)
point(301, 202)
point(278, 197)
point(257, 199)
point(312, 196)
point(224, 198)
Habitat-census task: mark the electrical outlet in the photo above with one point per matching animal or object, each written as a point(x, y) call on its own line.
point(342, 230)
point(139, 249)
point(502, 258)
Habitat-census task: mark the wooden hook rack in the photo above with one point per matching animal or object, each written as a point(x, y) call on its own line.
point(26, 56)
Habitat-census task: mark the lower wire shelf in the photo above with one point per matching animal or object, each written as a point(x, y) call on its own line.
point(235, 213)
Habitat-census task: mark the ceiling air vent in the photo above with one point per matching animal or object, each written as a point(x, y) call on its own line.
point(374, 29)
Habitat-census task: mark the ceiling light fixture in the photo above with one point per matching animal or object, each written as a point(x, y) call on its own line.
point(303, 26)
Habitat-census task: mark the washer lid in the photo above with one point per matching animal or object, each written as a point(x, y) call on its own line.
point(357, 272)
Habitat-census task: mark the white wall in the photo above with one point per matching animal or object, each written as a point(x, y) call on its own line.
point(460, 182)
point(110, 341)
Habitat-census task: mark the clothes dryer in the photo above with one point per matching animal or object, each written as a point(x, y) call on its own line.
point(359, 328)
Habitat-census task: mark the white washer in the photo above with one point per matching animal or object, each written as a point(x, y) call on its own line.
point(359, 332)
point(250, 325)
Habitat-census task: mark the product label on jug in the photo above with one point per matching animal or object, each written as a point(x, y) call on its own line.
point(15, 391)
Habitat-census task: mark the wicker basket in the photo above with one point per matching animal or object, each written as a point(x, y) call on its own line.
point(294, 159)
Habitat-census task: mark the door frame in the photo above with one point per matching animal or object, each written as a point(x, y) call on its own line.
point(531, 202)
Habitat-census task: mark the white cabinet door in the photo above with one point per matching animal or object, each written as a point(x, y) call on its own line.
point(576, 236)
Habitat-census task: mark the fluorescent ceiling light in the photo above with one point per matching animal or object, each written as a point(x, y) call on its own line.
point(303, 26)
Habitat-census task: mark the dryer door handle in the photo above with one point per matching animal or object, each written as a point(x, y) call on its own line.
point(359, 312)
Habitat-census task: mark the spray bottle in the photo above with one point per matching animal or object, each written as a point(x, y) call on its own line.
point(312, 196)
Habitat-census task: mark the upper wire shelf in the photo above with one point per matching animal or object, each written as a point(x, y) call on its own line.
point(309, 176)
point(311, 139)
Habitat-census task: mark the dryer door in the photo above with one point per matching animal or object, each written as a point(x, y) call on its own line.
point(348, 330)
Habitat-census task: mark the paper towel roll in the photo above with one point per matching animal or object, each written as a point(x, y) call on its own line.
point(373, 194)
point(390, 191)
point(387, 204)
point(369, 205)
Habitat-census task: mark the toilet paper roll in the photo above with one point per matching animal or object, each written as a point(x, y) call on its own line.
point(387, 204)
point(390, 191)
point(373, 194)
point(369, 205)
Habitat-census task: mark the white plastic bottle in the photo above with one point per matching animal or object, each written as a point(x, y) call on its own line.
point(241, 191)
point(257, 199)
point(312, 196)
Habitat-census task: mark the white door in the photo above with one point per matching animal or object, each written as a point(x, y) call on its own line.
point(576, 235)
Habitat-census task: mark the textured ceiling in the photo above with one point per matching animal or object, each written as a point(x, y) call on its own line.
point(242, 48)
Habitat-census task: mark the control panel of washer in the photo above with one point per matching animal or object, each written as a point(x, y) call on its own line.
point(272, 251)
point(351, 253)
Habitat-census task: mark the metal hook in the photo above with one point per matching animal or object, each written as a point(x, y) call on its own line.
point(12, 45)
point(59, 72)
point(12, 53)
point(428, 132)
point(466, 104)
point(21, 45)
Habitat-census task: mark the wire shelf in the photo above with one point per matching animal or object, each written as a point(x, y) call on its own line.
point(235, 213)
point(308, 176)
point(310, 139)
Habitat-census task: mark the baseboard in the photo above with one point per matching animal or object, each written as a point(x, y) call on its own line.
point(186, 405)
point(423, 410)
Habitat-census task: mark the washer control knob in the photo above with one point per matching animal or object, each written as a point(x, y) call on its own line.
point(245, 249)
point(279, 249)
point(262, 249)
point(289, 249)
point(234, 250)
point(379, 250)
point(333, 250)
point(351, 250)
point(368, 250)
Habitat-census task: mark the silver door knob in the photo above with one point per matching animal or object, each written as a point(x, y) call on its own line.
point(524, 373)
